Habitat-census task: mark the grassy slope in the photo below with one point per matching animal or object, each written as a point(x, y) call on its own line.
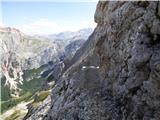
point(29, 88)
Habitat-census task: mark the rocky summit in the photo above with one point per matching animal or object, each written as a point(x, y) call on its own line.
point(115, 75)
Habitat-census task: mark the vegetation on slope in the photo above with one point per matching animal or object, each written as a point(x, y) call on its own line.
point(16, 115)
point(42, 96)
point(5, 105)
point(31, 84)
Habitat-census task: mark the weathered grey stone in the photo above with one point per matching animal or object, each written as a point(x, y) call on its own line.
point(126, 86)
point(158, 9)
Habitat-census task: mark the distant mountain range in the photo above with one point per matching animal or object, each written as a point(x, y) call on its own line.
point(25, 58)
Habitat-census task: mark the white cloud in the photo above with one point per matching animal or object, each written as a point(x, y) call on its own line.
point(1, 24)
point(45, 26)
point(41, 26)
point(79, 25)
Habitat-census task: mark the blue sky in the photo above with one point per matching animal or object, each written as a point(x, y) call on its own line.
point(48, 17)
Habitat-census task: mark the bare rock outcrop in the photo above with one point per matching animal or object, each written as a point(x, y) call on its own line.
point(116, 73)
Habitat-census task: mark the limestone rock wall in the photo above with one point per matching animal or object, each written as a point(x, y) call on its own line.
point(116, 73)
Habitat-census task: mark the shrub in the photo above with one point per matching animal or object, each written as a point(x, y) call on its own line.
point(42, 96)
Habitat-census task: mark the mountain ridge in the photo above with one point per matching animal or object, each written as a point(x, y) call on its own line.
point(26, 61)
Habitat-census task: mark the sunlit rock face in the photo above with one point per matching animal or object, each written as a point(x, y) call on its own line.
point(125, 50)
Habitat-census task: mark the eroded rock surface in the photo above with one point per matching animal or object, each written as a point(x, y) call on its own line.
point(126, 47)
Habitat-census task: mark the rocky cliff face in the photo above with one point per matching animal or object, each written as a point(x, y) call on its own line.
point(116, 73)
